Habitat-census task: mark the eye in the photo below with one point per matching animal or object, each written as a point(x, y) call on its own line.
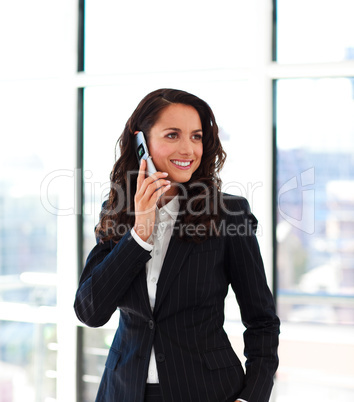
point(172, 135)
point(197, 137)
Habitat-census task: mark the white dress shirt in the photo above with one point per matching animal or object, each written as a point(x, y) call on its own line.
point(157, 243)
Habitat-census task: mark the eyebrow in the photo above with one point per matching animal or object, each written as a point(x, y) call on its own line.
point(179, 130)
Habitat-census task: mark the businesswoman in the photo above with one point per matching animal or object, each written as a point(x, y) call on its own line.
point(168, 247)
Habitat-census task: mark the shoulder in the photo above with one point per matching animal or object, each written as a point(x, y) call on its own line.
point(237, 209)
point(234, 203)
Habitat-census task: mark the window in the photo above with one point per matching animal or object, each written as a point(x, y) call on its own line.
point(37, 240)
point(201, 47)
point(314, 133)
point(160, 37)
point(315, 174)
point(34, 188)
point(314, 31)
point(59, 127)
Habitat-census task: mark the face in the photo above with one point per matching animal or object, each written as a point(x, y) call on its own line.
point(175, 142)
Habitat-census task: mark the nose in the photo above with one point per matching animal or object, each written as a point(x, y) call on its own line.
point(186, 147)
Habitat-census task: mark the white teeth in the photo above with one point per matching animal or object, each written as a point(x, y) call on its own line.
point(181, 163)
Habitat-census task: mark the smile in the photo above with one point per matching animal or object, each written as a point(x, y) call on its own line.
point(182, 164)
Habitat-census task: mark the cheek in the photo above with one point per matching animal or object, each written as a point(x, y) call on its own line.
point(159, 152)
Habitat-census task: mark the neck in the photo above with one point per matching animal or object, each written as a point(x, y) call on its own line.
point(167, 197)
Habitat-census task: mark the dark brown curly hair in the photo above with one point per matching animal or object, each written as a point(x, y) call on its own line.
point(199, 197)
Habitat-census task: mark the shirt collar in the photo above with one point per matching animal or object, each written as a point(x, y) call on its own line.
point(171, 209)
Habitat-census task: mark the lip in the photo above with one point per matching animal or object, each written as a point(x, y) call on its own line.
point(183, 161)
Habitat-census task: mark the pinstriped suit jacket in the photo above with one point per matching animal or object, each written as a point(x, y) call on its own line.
point(194, 357)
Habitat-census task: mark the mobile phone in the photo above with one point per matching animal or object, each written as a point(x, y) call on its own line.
point(142, 152)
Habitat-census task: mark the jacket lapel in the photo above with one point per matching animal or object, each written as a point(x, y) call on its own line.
point(176, 254)
point(141, 288)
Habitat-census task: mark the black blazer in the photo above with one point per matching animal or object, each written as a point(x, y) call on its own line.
point(194, 356)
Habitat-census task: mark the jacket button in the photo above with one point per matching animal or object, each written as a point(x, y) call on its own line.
point(160, 357)
point(151, 324)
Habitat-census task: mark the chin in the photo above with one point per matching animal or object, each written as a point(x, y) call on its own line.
point(181, 179)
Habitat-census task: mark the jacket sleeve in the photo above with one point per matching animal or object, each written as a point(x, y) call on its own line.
point(108, 273)
point(256, 304)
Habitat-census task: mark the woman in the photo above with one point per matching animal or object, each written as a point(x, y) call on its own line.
point(168, 246)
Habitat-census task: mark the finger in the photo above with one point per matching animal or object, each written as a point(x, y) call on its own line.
point(149, 200)
point(158, 193)
point(155, 179)
point(156, 176)
point(141, 174)
point(154, 187)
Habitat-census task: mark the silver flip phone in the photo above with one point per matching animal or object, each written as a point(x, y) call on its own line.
point(142, 152)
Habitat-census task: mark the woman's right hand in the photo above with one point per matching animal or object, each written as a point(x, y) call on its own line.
point(148, 191)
